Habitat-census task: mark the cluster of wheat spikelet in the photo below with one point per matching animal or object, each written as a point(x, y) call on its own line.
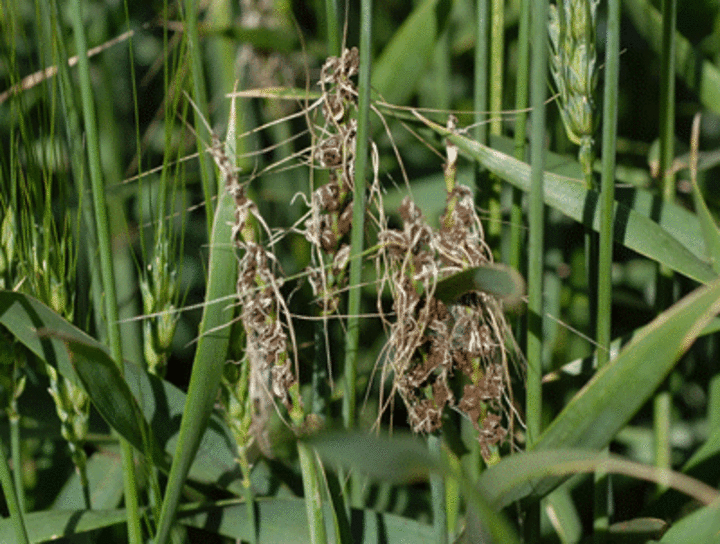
point(573, 64)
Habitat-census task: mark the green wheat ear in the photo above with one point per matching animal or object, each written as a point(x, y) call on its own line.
point(159, 290)
point(573, 63)
point(8, 228)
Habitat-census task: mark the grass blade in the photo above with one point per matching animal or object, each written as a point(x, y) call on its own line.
point(618, 390)
point(401, 459)
point(111, 395)
point(603, 336)
point(676, 220)
point(513, 472)
point(284, 520)
point(400, 66)
point(632, 229)
point(163, 403)
point(711, 233)
point(211, 352)
point(701, 526)
point(498, 280)
point(79, 358)
point(17, 520)
point(699, 74)
point(51, 524)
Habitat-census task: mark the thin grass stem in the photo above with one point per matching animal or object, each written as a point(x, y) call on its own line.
point(521, 102)
point(358, 218)
point(73, 135)
point(607, 182)
point(536, 219)
point(352, 338)
point(496, 63)
point(313, 500)
point(200, 99)
point(250, 505)
point(11, 499)
point(15, 452)
point(105, 252)
point(664, 288)
point(437, 492)
point(85, 486)
point(481, 101)
point(334, 35)
point(603, 508)
point(495, 83)
point(74, 138)
point(481, 72)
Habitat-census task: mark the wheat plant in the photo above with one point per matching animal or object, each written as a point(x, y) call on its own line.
point(256, 286)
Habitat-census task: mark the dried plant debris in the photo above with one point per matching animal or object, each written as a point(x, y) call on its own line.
point(441, 355)
point(264, 314)
point(331, 204)
point(431, 342)
point(338, 89)
point(270, 350)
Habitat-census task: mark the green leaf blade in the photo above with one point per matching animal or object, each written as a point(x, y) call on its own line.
point(567, 195)
point(400, 67)
point(209, 358)
point(618, 390)
point(498, 280)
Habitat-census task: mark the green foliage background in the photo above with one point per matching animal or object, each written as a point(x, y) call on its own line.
point(155, 185)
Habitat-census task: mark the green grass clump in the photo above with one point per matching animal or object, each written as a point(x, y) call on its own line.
point(243, 337)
